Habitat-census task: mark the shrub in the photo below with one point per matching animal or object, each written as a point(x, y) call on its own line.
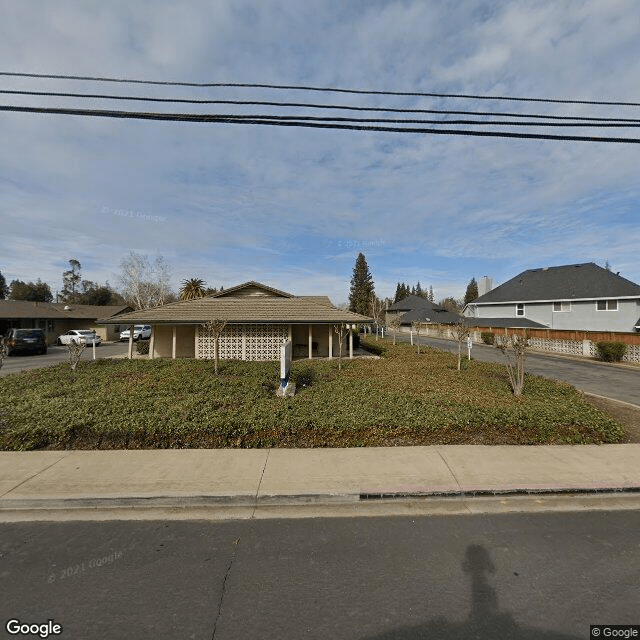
point(373, 347)
point(303, 376)
point(142, 346)
point(488, 338)
point(611, 351)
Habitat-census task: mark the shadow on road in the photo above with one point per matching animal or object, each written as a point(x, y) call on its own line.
point(485, 620)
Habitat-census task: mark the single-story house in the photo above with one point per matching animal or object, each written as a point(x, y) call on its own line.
point(418, 309)
point(259, 319)
point(58, 318)
point(579, 297)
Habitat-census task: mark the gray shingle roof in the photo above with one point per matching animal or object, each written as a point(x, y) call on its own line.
point(56, 310)
point(436, 315)
point(409, 303)
point(243, 310)
point(419, 309)
point(567, 282)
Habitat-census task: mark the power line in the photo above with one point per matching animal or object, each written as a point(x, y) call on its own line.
point(278, 121)
point(318, 89)
point(107, 96)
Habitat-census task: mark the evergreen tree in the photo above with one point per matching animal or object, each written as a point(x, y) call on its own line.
point(398, 295)
point(362, 289)
point(419, 291)
point(4, 290)
point(33, 291)
point(431, 297)
point(472, 291)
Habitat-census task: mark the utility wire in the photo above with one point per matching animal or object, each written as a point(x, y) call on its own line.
point(277, 121)
point(104, 96)
point(319, 89)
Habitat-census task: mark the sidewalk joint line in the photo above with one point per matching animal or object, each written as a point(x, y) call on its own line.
point(255, 502)
point(460, 491)
point(35, 474)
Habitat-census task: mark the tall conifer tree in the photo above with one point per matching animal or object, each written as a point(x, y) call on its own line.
point(362, 289)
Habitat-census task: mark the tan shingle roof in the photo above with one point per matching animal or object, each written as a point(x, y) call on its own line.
point(56, 310)
point(243, 310)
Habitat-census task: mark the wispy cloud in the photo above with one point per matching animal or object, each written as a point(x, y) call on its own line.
point(293, 207)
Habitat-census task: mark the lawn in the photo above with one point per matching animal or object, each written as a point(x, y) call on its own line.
point(400, 399)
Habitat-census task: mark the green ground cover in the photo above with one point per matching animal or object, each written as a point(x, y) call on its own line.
point(401, 399)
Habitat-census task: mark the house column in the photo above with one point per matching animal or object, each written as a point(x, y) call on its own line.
point(174, 342)
point(310, 342)
point(130, 341)
point(152, 343)
point(330, 342)
point(350, 342)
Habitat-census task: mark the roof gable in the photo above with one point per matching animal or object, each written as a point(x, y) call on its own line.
point(251, 288)
point(566, 282)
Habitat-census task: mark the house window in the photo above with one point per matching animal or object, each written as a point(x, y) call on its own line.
point(520, 309)
point(607, 305)
point(51, 326)
point(562, 306)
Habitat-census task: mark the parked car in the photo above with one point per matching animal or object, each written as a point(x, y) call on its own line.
point(80, 335)
point(140, 332)
point(29, 340)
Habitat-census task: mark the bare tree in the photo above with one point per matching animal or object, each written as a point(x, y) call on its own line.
point(341, 331)
point(415, 325)
point(213, 329)
point(393, 325)
point(377, 311)
point(145, 285)
point(461, 332)
point(514, 349)
point(75, 352)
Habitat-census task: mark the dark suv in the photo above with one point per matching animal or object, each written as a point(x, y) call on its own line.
point(30, 340)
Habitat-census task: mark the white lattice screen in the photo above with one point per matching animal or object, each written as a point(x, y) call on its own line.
point(243, 342)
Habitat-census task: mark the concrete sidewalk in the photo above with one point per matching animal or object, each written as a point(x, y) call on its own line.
point(49, 480)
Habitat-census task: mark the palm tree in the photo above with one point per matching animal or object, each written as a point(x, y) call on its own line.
point(192, 288)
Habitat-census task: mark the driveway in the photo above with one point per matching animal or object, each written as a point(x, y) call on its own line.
point(55, 354)
point(612, 381)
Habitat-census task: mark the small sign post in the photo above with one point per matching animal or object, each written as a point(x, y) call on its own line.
point(285, 364)
point(469, 343)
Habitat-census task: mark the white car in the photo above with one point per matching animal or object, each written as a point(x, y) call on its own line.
point(80, 335)
point(140, 332)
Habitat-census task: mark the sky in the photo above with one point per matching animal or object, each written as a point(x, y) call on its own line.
point(292, 207)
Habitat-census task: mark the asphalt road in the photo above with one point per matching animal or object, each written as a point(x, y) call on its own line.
point(55, 354)
point(525, 576)
point(621, 383)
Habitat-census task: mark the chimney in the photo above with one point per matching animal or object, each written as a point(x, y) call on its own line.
point(485, 285)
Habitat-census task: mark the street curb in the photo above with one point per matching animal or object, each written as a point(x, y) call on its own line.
point(250, 501)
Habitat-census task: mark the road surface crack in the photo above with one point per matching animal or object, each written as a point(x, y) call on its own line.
point(224, 586)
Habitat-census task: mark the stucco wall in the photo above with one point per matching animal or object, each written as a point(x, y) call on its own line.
point(162, 341)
